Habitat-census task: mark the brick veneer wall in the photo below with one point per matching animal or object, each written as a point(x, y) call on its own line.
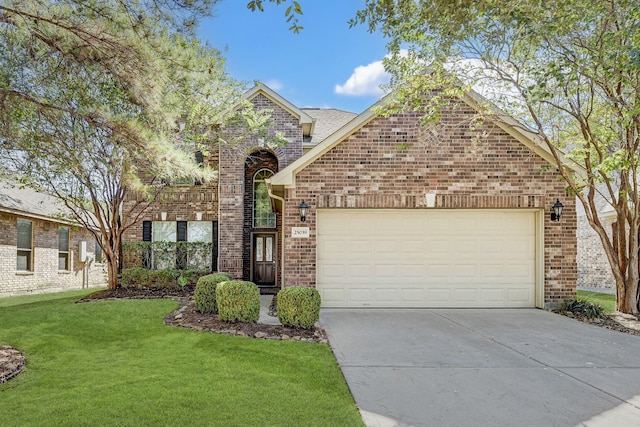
point(180, 202)
point(232, 181)
point(593, 267)
point(45, 276)
point(392, 163)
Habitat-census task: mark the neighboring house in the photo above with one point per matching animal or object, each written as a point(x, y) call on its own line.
point(594, 270)
point(397, 216)
point(39, 251)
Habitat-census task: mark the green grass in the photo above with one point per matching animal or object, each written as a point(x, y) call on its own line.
point(606, 301)
point(114, 363)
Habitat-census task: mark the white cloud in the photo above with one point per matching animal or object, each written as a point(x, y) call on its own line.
point(364, 81)
point(274, 84)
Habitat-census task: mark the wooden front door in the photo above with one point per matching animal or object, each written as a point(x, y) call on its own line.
point(264, 259)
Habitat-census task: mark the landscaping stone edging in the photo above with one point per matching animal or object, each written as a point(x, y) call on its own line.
point(182, 317)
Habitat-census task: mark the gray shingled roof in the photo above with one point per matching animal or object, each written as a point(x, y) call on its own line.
point(28, 202)
point(602, 203)
point(327, 121)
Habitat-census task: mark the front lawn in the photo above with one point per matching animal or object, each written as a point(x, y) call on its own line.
point(606, 301)
point(109, 363)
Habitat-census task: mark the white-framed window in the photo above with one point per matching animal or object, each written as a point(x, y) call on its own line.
point(24, 245)
point(263, 215)
point(63, 249)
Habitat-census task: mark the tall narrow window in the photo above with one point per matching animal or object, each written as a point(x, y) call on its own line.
point(98, 252)
point(263, 215)
point(25, 245)
point(63, 248)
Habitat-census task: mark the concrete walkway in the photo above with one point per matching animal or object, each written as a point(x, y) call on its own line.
point(472, 367)
point(265, 303)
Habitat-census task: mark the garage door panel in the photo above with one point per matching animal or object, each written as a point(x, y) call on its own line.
point(426, 258)
point(358, 271)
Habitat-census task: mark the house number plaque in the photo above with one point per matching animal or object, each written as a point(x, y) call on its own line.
point(300, 232)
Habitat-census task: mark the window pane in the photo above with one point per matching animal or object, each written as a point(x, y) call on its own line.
point(98, 252)
point(63, 261)
point(24, 234)
point(164, 231)
point(259, 248)
point(200, 231)
point(264, 217)
point(63, 239)
point(269, 249)
point(24, 261)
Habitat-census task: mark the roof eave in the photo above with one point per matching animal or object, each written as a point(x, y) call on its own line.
point(32, 215)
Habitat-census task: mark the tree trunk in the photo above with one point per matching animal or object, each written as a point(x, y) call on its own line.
point(112, 273)
point(629, 262)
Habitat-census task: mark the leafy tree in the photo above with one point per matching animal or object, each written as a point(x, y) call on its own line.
point(94, 95)
point(292, 11)
point(569, 70)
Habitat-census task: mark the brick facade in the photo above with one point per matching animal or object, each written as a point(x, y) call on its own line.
point(391, 163)
point(181, 202)
point(45, 276)
point(234, 253)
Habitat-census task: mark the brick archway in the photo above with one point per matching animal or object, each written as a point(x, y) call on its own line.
point(258, 160)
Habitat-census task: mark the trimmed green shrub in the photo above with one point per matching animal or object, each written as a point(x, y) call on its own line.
point(165, 278)
point(205, 293)
point(134, 277)
point(192, 276)
point(238, 300)
point(299, 306)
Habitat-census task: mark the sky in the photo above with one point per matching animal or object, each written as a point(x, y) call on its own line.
point(326, 65)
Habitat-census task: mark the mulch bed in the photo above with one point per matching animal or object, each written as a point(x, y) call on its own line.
point(11, 362)
point(617, 322)
point(186, 316)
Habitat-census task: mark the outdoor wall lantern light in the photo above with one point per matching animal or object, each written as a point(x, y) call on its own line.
point(557, 210)
point(303, 211)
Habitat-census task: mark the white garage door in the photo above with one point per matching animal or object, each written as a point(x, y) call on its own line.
point(426, 258)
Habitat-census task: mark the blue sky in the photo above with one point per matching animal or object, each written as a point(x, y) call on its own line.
point(326, 65)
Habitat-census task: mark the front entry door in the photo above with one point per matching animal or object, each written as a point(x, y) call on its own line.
point(264, 259)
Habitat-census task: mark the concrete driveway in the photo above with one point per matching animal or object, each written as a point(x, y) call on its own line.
point(522, 367)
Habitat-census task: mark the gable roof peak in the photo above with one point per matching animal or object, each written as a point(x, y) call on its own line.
point(305, 120)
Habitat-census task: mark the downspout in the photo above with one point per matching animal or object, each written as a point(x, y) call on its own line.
point(281, 199)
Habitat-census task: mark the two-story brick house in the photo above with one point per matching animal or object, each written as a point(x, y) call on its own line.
point(397, 216)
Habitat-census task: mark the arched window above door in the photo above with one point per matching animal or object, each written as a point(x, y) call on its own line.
point(263, 215)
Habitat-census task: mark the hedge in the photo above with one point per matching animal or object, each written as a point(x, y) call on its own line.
point(238, 300)
point(299, 306)
point(205, 293)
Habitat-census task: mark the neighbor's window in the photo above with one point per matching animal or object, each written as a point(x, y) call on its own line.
point(25, 245)
point(263, 216)
point(98, 252)
point(63, 248)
